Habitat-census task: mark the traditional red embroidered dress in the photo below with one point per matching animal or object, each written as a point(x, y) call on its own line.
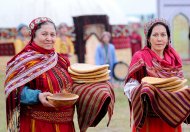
point(155, 110)
point(44, 70)
point(47, 71)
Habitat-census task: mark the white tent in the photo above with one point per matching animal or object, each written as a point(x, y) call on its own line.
point(14, 12)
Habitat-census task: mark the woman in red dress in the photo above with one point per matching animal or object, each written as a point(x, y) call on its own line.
point(32, 75)
point(153, 109)
point(37, 72)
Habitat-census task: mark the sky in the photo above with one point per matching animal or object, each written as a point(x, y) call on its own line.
point(138, 7)
point(12, 12)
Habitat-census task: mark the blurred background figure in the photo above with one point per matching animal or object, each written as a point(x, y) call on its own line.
point(135, 40)
point(105, 52)
point(64, 44)
point(22, 37)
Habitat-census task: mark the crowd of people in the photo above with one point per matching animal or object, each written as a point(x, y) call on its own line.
point(40, 69)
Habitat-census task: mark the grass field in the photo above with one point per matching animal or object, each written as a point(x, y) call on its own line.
point(120, 120)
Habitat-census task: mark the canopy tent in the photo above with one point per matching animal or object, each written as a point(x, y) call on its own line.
point(12, 12)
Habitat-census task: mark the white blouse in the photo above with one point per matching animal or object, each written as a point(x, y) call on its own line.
point(129, 86)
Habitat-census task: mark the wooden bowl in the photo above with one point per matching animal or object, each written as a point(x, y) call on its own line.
point(63, 99)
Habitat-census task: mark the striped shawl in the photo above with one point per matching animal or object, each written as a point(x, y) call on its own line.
point(37, 68)
point(95, 99)
point(172, 107)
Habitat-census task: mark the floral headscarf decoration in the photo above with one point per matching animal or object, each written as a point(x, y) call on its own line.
point(149, 24)
point(34, 24)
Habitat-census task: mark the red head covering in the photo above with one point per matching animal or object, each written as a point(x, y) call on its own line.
point(31, 45)
point(34, 24)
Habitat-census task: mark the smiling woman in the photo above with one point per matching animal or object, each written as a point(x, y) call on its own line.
point(38, 73)
point(32, 75)
point(45, 35)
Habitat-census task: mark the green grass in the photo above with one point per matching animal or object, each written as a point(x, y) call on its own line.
point(2, 104)
point(120, 119)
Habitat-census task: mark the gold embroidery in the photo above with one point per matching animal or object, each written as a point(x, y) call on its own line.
point(54, 117)
point(57, 128)
point(33, 125)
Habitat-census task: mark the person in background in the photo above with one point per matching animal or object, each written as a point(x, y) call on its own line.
point(32, 75)
point(135, 41)
point(22, 38)
point(105, 52)
point(153, 109)
point(64, 44)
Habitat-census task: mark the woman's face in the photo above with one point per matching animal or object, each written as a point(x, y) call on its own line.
point(45, 36)
point(106, 39)
point(158, 38)
point(63, 30)
point(25, 31)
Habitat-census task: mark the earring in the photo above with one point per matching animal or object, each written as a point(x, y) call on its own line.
point(149, 44)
